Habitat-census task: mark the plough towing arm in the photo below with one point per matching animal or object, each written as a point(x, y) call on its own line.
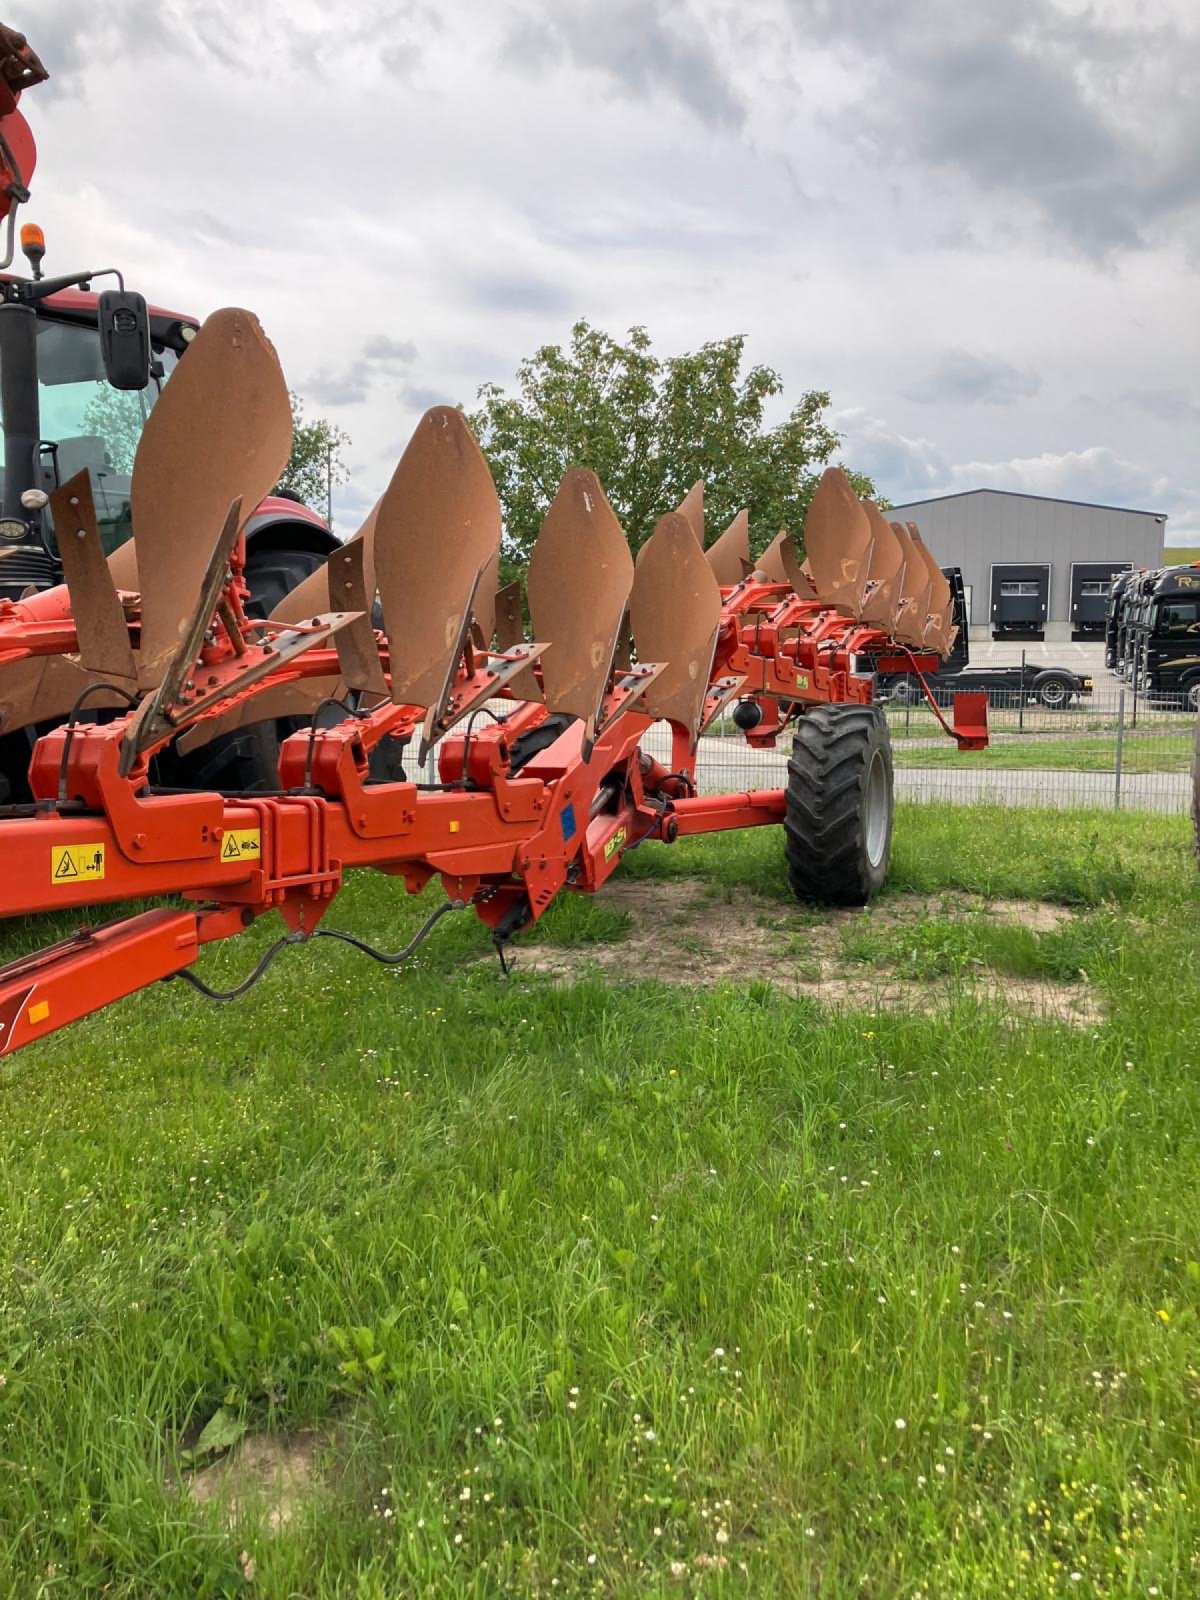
point(548, 794)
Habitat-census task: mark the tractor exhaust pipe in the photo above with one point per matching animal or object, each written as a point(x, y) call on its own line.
point(19, 405)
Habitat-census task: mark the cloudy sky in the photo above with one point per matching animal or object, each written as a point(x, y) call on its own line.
point(977, 226)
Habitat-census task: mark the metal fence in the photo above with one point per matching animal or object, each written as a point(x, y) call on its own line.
point(1108, 749)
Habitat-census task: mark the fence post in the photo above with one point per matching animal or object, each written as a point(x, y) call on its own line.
point(1137, 662)
point(1120, 750)
point(1021, 703)
point(907, 715)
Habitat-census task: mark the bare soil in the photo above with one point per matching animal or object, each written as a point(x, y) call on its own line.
point(683, 934)
point(267, 1476)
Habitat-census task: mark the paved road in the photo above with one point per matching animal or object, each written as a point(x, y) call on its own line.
point(727, 764)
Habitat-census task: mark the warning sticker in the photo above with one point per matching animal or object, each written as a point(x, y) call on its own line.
point(76, 863)
point(802, 680)
point(614, 844)
point(241, 844)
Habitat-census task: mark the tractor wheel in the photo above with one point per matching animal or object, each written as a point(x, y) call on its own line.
point(270, 574)
point(247, 762)
point(838, 827)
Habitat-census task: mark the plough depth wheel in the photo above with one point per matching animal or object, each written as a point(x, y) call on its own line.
point(838, 827)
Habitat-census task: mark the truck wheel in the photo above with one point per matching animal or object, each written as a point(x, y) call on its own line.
point(838, 825)
point(1191, 693)
point(905, 692)
point(1054, 690)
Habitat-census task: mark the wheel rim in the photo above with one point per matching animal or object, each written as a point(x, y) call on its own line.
point(875, 810)
point(1053, 694)
point(1193, 697)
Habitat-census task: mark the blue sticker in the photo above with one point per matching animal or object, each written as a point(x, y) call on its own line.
point(569, 825)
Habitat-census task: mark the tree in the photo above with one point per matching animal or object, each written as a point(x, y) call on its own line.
point(316, 463)
point(649, 427)
point(117, 416)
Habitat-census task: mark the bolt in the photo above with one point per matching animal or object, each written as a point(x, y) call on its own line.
point(139, 841)
point(190, 684)
point(81, 533)
point(212, 680)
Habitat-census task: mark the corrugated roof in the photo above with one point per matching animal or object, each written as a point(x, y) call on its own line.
point(1021, 494)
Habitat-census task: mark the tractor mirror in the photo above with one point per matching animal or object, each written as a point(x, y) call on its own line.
point(124, 338)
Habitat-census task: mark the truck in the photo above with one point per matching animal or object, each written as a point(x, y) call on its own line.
point(1055, 688)
point(1162, 652)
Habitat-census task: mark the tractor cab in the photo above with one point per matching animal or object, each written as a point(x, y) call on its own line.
point(62, 413)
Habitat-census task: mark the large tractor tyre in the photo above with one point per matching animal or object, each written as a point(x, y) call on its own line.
point(270, 574)
point(247, 762)
point(838, 826)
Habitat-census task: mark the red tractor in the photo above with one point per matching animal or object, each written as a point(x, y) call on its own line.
point(79, 374)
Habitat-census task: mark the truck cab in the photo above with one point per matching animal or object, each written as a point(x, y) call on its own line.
point(1166, 637)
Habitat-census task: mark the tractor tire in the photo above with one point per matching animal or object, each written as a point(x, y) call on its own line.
point(270, 574)
point(247, 762)
point(838, 824)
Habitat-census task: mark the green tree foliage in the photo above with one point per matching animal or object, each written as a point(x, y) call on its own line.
point(117, 416)
point(316, 463)
point(649, 426)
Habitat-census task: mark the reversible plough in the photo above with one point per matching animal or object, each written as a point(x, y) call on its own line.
point(541, 783)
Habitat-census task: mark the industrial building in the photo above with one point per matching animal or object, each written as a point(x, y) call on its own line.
point(1034, 567)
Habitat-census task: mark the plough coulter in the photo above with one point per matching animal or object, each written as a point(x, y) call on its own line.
point(542, 781)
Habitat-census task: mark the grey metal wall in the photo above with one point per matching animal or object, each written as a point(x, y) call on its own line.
point(984, 526)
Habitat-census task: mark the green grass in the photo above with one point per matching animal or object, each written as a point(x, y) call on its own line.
point(1150, 752)
point(655, 1274)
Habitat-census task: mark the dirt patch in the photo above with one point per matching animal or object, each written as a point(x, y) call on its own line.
point(682, 934)
point(265, 1475)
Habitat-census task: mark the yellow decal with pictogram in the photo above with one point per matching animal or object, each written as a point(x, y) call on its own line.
point(76, 863)
point(241, 844)
point(614, 844)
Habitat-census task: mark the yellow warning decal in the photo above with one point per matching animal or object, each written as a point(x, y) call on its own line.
point(38, 1012)
point(241, 844)
point(76, 863)
point(802, 680)
point(614, 844)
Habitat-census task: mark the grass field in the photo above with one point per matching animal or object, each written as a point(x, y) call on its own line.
point(625, 1288)
point(1152, 751)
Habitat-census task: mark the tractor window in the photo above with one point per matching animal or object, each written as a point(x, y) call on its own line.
point(87, 423)
point(1179, 618)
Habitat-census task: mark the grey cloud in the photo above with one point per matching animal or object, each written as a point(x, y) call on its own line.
point(903, 468)
point(635, 47)
point(1078, 116)
point(420, 397)
point(517, 291)
point(241, 39)
point(379, 357)
point(914, 469)
point(1167, 405)
point(961, 378)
